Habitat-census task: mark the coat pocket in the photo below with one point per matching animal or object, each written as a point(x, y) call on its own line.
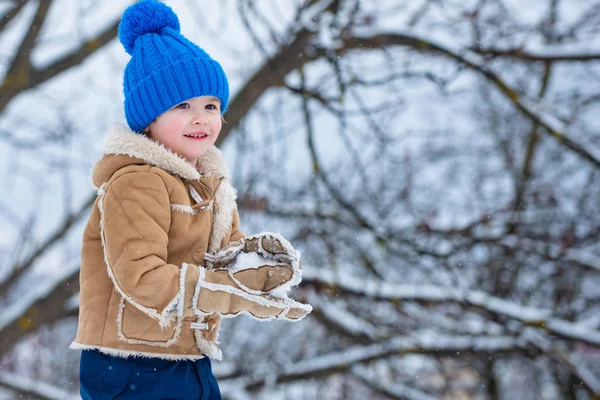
point(135, 327)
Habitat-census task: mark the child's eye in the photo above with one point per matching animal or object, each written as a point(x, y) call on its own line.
point(212, 106)
point(182, 106)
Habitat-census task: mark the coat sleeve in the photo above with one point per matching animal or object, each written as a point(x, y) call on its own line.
point(136, 215)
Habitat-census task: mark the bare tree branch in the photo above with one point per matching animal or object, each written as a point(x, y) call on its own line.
point(21, 62)
point(530, 109)
point(269, 75)
point(294, 56)
point(17, 81)
point(60, 233)
point(11, 14)
point(35, 311)
point(526, 56)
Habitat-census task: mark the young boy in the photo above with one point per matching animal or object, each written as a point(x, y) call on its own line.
point(163, 258)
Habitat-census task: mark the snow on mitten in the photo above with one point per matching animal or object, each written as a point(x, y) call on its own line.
point(260, 264)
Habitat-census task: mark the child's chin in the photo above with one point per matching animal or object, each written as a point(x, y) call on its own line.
point(201, 153)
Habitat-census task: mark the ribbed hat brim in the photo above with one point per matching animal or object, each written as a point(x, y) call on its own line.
point(172, 85)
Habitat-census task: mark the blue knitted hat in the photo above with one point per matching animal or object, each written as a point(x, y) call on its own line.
point(165, 68)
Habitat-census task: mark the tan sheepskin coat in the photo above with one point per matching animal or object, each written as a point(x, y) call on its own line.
point(155, 214)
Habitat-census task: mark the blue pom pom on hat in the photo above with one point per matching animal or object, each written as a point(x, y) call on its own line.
point(165, 67)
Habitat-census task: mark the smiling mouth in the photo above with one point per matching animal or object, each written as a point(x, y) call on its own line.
point(197, 135)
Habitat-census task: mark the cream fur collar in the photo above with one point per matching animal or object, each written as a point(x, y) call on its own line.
point(121, 140)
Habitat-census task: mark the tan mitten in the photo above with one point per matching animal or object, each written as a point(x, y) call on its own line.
point(259, 264)
point(219, 291)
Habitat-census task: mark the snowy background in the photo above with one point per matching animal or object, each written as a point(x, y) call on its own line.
point(436, 162)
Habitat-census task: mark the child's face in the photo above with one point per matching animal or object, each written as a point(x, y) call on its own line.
point(198, 116)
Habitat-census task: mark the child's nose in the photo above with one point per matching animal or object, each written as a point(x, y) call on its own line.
point(200, 120)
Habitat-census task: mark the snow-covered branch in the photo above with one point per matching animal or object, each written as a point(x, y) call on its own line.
point(420, 343)
point(584, 258)
point(377, 289)
point(341, 319)
point(391, 390)
point(565, 357)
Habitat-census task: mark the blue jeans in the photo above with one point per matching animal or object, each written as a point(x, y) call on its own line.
point(104, 377)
